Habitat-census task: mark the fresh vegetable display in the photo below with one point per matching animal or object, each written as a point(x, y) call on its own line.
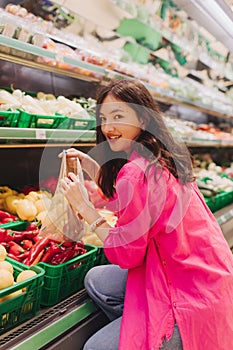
point(7, 275)
point(6, 217)
point(29, 248)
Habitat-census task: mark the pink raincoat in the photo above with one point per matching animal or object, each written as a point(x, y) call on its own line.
point(180, 265)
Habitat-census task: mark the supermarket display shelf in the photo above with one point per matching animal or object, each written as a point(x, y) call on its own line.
point(157, 25)
point(102, 74)
point(62, 137)
point(41, 52)
point(42, 145)
point(47, 135)
point(47, 68)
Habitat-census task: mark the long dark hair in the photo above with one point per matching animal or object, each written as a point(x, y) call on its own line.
point(155, 142)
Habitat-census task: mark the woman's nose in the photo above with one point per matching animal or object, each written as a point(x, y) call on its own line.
point(108, 126)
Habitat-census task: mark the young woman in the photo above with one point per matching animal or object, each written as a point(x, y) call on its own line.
point(170, 284)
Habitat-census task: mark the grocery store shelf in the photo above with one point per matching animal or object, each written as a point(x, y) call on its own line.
point(101, 75)
point(171, 36)
point(163, 96)
point(47, 68)
point(41, 52)
point(48, 135)
point(42, 145)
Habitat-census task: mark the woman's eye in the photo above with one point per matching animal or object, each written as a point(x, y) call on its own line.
point(118, 116)
point(102, 120)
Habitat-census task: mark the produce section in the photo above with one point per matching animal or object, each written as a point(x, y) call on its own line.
point(53, 110)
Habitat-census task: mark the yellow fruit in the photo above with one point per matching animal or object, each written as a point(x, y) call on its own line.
point(10, 203)
point(24, 275)
point(26, 210)
point(42, 204)
point(41, 216)
point(33, 196)
point(6, 279)
point(5, 265)
point(3, 253)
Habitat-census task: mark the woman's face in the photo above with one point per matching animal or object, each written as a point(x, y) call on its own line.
point(119, 124)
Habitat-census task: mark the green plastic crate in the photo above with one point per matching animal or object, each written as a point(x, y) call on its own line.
point(27, 120)
point(101, 258)
point(60, 281)
point(219, 201)
point(9, 118)
point(79, 123)
point(24, 306)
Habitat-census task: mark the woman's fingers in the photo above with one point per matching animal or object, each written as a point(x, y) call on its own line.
point(73, 177)
point(71, 152)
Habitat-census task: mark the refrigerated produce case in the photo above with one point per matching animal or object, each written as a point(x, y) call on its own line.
point(66, 325)
point(70, 322)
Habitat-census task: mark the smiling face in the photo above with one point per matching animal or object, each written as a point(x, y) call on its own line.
point(119, 124)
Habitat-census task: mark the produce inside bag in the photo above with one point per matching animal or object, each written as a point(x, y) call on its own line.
point(61, 223)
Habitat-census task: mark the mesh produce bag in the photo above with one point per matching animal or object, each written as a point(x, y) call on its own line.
point(61, 223)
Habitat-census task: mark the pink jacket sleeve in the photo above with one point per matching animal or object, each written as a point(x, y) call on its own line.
point(127, 242)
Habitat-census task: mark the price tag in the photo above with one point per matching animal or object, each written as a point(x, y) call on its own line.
point(40, 134)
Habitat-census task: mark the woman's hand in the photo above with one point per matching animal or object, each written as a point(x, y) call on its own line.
point(89, 165)
point(75, 193)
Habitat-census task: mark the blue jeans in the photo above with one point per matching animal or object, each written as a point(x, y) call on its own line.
point(106, 286)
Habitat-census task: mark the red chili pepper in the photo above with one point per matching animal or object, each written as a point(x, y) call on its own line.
point(12, 256)
point(5, 214)
point(80, 248)
point(2, 235)
point(32, 227)
point(21, 235)
point(53, 249)
point(36, 249)
point(75, 249)
point(68, 255)
point(27, 244)
point(6, 220)
point(15, 248)
point(23, 256)
point(68, 243)
point(38, 258)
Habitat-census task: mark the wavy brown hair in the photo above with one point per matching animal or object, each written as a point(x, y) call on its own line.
point(155, 142)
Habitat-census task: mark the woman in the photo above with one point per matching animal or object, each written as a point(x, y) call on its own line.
point(172, 270)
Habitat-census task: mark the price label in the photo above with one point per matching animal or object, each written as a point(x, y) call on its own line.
point(40, 134)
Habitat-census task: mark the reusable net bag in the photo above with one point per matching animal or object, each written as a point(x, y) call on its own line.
point(61, 223)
